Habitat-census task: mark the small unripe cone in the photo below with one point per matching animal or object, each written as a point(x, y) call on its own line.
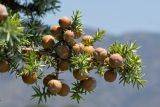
point(78, 75)
point(4, 66)
point(47, 41)
point(77, 34)
point(110, 76)
point(89, 84)
point(88, 49)
point(78, 48)
point(3, 12)
point(63, 51)
point(116, 60)
point(64, 22)
point(69, 36)
point(48, 78)
point(65, 90)
point(56, 31)
point(100, 54)
point(63, 65)
point(86, 39)
point(54, 86)
point(30, 78)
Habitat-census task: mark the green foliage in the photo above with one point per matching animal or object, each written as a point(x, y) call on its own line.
point(80, 61)
point(77, 25)
point(123, 49)
point(11, 31)
point(101, 69)
point(32, 8)
point(30, 13)
point(41, 95)
point(77, 92)
point(24, 30)
point(99, 35)
point(41, 7)
point(3, 45)
point(31, 64)
point(131, 72)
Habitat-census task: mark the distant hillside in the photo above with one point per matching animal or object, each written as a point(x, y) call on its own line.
point(13, 93)
point(128, 96)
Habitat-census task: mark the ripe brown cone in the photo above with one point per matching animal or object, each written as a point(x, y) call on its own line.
point(48, 78)
point(100, 54)
point(86, 39)
point(88, 49)
point(116, 60)
point(78, 48)
point(110, 76)
point(4, 66)
point(72, 42)
point(3, 12)
point(65, 90)
point(69, 36)
point(30, 78)
point(89, 84)
point(47, 41)
point(78, 75)
point(63, 65)
point(56, 31)
point(64, 22)
point(54, 86)
point(77, 34)
point(63, 51)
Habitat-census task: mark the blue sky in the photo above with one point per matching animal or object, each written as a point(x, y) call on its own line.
point(116, 16)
